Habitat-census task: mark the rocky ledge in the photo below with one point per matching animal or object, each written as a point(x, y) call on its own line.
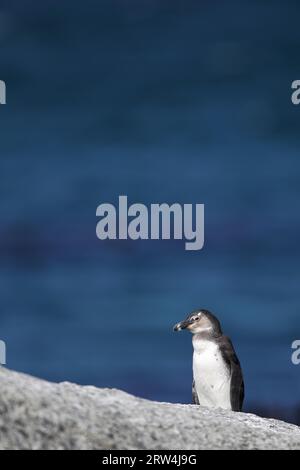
point(35, 414)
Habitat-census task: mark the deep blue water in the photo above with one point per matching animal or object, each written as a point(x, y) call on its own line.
point(183, 102)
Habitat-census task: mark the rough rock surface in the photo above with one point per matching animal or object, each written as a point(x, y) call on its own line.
point(39, 415)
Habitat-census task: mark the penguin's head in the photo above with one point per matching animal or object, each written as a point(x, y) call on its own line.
point(200, 321)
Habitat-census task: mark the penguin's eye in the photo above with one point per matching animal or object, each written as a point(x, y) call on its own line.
point(196, 318)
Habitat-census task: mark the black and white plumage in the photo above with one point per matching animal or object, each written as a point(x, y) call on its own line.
point(217, 374)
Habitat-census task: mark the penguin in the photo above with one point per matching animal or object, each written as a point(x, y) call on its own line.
point(217, 374)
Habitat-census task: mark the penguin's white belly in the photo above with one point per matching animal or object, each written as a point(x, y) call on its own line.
point(212, 378)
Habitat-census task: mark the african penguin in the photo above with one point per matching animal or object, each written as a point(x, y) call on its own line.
point(217, 374)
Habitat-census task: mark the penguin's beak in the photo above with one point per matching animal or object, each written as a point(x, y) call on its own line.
point(182, 325)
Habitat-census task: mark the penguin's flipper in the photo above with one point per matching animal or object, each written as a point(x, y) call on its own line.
point(194, 395)
point(237, 390)
point(237, 383)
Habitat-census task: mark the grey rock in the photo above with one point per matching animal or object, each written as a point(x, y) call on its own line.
point(35, 414)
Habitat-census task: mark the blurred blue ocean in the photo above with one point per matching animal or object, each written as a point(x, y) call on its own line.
point(183, 102)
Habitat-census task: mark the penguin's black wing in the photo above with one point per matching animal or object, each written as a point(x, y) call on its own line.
point(237, 390)
point(194, 395)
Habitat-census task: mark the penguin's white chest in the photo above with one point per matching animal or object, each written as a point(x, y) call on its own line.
point(211, 376)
